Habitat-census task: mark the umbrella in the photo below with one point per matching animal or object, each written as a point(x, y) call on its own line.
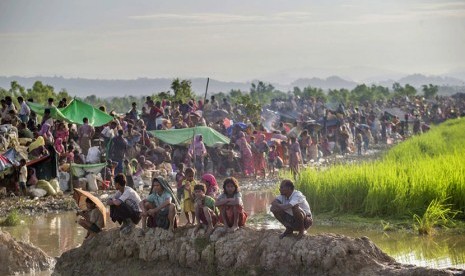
point(362, 126)
point(279, 136)
point(80, 198)
point(219, 114)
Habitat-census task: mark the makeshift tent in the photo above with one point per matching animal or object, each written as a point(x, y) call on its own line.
point(74, 113)
point(81, 170)
point(54, 112)
point(47, 166)
point(185, 135)
point(76, 110)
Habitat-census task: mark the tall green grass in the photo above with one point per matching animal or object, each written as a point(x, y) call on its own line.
point(402, 183)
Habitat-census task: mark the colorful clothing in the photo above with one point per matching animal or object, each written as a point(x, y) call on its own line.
point(229, 211)
point(259, 155)
point(157, 200)
point(188, 201)
point(212, 185)
point(210, 203)
point(246, 155)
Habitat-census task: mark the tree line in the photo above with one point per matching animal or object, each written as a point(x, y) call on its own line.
point(260, 94)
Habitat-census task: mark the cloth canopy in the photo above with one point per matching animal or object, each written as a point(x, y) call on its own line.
point(74, 112)
point(185, 135)
point(80, 170)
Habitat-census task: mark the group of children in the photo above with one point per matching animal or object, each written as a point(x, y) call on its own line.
point(203, 206)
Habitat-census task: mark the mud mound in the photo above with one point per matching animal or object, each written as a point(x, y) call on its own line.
point(245, 252)
point(21, 257)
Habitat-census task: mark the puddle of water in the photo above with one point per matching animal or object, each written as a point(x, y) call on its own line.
point(57, 233)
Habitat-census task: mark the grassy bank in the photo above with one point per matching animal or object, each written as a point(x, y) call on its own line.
point(402, 183)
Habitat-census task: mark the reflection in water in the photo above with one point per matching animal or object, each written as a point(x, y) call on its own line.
point(57, 233)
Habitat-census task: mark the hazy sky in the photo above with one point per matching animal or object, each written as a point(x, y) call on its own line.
point(231, 40)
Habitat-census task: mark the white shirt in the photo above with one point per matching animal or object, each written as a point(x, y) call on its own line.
point(23, 174)
point(130, 197)
point(296, 198)
point(25, 110)
point(107, 132)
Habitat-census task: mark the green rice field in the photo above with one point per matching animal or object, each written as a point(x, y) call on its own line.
point(402, 183)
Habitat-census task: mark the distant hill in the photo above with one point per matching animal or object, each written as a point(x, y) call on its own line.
point(418, 80)
point(144, 86)
point(110, 88)
point(333, 82)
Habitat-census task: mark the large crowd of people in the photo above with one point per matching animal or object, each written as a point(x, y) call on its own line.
point(291, 133)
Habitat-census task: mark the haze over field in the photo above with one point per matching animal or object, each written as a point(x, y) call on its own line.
point(270, 40)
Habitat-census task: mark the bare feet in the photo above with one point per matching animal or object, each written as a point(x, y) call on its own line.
point(209, 231)
point(233, 229)
point(285, 233)
point(197, 228)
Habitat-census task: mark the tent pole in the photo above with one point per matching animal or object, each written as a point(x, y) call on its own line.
point(206, 91)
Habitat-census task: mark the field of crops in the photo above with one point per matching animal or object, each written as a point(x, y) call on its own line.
point(402, 183)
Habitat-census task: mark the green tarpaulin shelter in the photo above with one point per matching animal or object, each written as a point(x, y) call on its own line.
point(80, 170)
point(74, 113)
point(211, 137)
point(40, 109)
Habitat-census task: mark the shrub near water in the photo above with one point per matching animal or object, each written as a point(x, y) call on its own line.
point(404, 182)
point(12, 219)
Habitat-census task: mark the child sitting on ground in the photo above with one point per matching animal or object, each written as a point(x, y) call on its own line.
point(92, 219)
point(188, 187)
point(205, 210)
point(232, 213)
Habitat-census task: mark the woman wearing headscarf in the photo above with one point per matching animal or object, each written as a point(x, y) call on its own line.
point(212, 186)
point(45, 132)
point(246, 154)
point(160, 207)
point(59, 146)
point(197, 151)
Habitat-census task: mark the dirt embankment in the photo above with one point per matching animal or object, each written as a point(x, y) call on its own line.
point(21, 257)
point(245, 252)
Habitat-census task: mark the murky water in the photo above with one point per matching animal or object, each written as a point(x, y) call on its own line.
point(57, 233)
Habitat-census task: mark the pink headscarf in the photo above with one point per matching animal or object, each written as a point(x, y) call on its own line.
point(59, 145)
point(212, 189)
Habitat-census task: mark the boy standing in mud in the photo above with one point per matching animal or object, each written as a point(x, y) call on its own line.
point(292, 210)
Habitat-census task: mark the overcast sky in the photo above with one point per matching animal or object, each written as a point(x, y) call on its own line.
point(274, 40)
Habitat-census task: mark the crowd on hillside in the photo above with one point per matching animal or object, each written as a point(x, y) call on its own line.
point(292, 132)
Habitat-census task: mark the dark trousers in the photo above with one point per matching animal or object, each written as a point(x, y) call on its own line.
point(120, 213)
